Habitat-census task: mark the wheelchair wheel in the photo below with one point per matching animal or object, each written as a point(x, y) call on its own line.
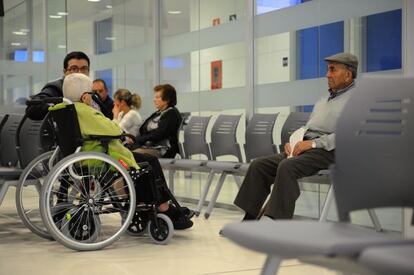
point(138, 224)
point(163, 232)
point(87, 201)
point(28, 194)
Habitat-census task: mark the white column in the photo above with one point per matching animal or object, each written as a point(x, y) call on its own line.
point(250, 60)
point(157, 41)
point(408, 69)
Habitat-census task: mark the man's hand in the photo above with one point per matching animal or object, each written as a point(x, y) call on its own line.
point(301, 147)
point(287, 149)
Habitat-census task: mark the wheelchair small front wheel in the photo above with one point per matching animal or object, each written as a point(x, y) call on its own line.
point(162, 232)
point(138, 224)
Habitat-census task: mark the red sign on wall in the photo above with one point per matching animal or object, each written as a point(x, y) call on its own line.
point(216, 74)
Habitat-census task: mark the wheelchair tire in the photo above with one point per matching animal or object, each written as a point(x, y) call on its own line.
point(162, 233)
point(28, 192)
point(96, 212)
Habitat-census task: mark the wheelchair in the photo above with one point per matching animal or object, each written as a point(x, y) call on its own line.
point(88, 199)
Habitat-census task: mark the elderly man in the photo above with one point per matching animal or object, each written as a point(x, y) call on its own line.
point(309, 155)
point(74, 62)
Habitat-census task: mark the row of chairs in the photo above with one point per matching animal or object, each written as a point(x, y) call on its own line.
point(373, 169)
point(259, 142)
point(21, 140)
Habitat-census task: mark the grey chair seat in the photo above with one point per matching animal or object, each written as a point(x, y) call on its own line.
point(189, 164)
point(165, 162)
point(228, 166)
point(10, 173)
point(395, 259)
point(293, 239)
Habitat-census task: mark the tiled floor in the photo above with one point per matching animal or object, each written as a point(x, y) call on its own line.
point(199, 250)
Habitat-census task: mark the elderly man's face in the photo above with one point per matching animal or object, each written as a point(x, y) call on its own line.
point(338, 76)
point(99, 88)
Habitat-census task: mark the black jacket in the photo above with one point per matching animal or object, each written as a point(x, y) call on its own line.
point(51, 89)
point(54, 89)
point(168, 127)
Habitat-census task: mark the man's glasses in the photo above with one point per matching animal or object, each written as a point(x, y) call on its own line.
point(76, 69)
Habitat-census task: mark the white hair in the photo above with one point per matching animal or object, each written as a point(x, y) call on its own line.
point(75, 85)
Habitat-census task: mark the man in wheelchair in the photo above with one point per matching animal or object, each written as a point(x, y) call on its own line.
point(150, 186)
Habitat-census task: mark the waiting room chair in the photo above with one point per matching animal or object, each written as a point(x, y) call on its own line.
point(195, 144)
point(9, 169)
point(393, 259)
point(294, 121)
point(259, 142)
point(223, 143)
point(373, 169)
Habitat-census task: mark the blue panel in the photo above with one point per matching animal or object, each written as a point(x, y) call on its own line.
point(308, 53)
point(20, 55)
point(263, 6)
point(172, 63)
point(331, 41)
point(305, 108)
point(384, 41)
point(104, 36)
point(106, 75)
point(316, 43)
point(38, 56)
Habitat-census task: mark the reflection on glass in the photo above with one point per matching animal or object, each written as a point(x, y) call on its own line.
point(263, 6)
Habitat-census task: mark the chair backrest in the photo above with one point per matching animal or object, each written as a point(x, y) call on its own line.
point(8, 152)
point(259, 136)
point(294, 121)
point(195, 142)
point(67, 129)
point(34, 137)
point(374, 147)
point(223, 137)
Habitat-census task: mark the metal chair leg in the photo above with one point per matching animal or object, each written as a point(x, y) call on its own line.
point(215, 195)
point(204, 193)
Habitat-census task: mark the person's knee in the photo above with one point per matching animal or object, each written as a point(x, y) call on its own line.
point(286, 166)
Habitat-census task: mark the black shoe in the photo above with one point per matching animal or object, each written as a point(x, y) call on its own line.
point(182, 224)
point(188, 213)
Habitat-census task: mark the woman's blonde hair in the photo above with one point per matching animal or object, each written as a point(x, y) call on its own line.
point(132, 100)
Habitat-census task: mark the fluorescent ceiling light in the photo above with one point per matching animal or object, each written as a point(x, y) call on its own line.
point(55, 16)
point(62, 13)
point(94, 0)
point(174, 12)
point(110, 38)
point(108, 6)
point(19, 33)
point(25, 30)
point(15, 44)
point(62, 46)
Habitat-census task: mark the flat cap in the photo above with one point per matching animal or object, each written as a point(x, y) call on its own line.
point(344, 58)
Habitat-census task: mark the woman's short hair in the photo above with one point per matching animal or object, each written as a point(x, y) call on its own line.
point(168, 93)
point(132, 100)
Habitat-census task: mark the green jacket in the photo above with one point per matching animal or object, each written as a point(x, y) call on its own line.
point(93, 122)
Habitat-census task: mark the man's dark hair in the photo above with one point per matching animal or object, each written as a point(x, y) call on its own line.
point(74, 55)
point(103, 83)
point(168, 94)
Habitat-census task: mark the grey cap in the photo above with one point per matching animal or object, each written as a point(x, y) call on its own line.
point(344, 58)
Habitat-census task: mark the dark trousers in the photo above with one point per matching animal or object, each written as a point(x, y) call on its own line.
point(144, 189)
point(284, 174)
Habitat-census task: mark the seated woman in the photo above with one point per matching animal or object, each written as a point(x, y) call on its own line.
point(77, 88)
point(158, 135)
point(125, 111)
